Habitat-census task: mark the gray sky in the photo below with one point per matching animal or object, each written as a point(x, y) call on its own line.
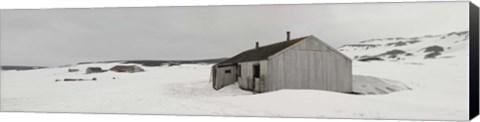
point(50, 37)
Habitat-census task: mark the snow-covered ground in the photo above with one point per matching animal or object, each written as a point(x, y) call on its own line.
point(439, 92)
point(432, 89)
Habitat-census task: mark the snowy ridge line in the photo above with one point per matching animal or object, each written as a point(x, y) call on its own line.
point(441, 46)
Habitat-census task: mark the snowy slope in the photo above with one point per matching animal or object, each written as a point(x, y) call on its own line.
point(414, 48)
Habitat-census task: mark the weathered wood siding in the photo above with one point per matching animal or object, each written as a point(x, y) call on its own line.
point(245, 80)
point(309, 64)
point(222, 78)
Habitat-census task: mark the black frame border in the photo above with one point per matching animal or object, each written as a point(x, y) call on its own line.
point(474, 61)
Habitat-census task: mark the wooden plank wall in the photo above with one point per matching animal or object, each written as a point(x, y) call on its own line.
point(223, 79)
point(309, 65)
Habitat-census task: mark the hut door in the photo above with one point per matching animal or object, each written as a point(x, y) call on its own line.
point(256, 76)
point(256, 71)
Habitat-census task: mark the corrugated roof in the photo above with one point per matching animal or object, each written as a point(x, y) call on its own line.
point(260, 53)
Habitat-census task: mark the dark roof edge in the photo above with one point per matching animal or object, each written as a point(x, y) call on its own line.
point(261, 53)
point(280, 42)
point(318, 40)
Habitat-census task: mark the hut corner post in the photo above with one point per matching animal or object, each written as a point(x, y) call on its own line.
point(213, 77)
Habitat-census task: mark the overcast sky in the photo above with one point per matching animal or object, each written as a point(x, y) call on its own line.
point(65, 36)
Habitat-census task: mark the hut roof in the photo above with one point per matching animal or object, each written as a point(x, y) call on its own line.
point(260, 53)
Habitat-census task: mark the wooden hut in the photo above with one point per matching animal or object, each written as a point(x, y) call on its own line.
point(301, 63)
point(127, 68)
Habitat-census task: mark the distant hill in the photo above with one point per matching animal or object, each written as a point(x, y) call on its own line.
point(428, 47)
point(161, 62)
point(21, 67)
point(140, 62)
point(173, 62)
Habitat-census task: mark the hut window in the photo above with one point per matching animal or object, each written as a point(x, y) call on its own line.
point(227, 71)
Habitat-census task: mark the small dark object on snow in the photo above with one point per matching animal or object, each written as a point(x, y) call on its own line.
point(370, 59)
point(393, 53)
point(73, 70)
point(79, 79)
point(127, 68)
point(354, 93)
point(433, 51)
point(397, 44)
point(70, 79)
point(173, 64)
point(434, 48)
point(432, 55)
point(94, 70)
